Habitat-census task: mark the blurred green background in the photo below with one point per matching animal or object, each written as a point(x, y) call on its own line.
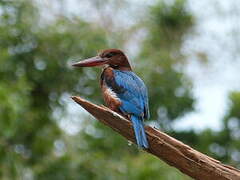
point(44, 135)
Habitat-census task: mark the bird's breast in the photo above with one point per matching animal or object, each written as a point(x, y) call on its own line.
point(110, 96)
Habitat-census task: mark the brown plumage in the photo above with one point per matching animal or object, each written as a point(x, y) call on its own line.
point(117, 59)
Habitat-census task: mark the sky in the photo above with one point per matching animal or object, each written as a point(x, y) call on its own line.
point(216, 34)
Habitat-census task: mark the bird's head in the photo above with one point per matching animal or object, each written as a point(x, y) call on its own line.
point(114, 58)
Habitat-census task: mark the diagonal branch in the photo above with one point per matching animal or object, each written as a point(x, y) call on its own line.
point(173, 152)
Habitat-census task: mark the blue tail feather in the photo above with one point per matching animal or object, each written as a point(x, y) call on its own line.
point(139, 132)
point(143, 135)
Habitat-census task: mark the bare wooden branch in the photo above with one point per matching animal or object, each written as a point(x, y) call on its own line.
point(173, 152)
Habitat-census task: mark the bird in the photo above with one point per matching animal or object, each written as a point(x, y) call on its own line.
point(123, 91)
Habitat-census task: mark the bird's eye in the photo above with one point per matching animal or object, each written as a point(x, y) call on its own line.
point(111, 54)
point(115, 66)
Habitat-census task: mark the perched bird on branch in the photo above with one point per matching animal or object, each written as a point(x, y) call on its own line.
point(123, 91)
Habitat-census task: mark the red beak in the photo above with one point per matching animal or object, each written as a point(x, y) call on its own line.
point(90, 62)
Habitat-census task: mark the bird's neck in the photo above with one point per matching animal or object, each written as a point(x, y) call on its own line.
point(124, 68)
point(121, 68)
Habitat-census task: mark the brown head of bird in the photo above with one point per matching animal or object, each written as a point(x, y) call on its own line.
point(114, 58)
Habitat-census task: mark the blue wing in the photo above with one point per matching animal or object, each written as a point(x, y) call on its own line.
point(133, 93)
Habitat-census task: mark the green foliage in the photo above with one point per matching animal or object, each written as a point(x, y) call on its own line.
point(223, 145)
point(227, 145)
point(107, 156)
point(171, 21)
point(34, 74)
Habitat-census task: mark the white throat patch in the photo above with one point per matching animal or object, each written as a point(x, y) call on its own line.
point(111, 93)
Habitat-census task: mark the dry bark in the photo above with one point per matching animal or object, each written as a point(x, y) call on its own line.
point(173, 152)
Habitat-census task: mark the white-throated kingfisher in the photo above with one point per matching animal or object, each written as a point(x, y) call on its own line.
point(123, 91)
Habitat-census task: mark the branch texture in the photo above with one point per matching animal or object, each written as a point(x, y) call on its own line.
point(173, 152)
